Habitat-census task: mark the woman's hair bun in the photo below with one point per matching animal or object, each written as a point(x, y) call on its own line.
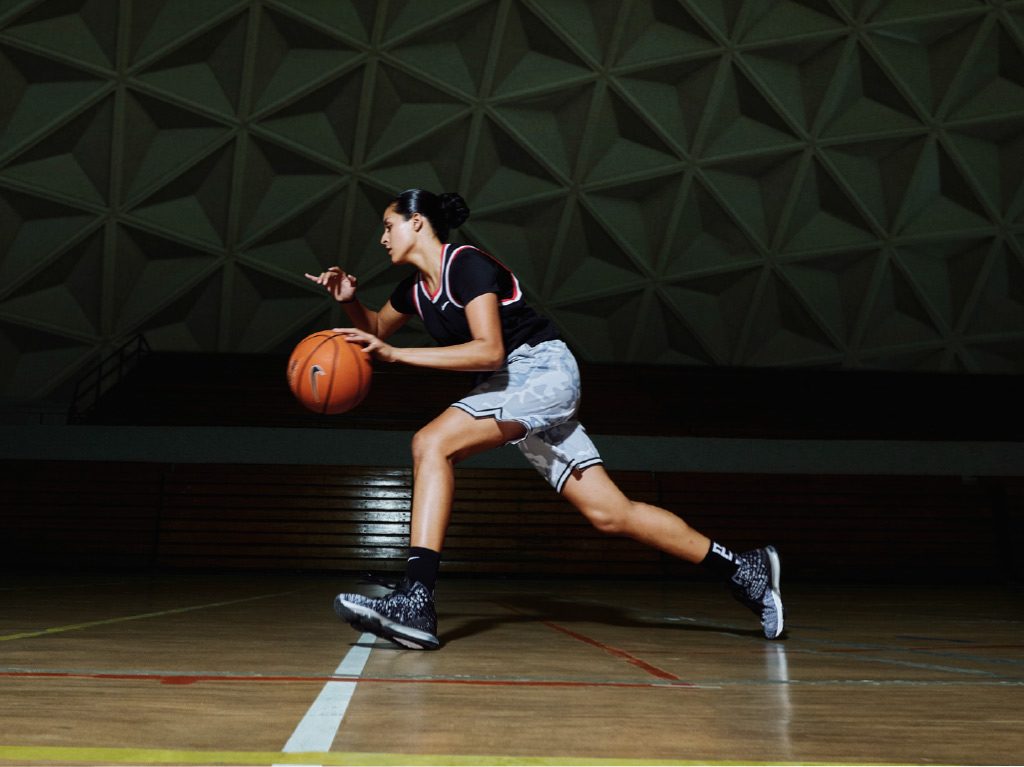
point(454, 209)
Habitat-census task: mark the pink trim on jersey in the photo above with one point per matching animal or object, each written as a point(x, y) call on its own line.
point(416, 300)
point(517, 292)
point(423, 284)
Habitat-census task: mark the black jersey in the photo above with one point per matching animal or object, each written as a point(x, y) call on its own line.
point(467, 272)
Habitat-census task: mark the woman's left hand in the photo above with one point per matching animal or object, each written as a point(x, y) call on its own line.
point(371, 344)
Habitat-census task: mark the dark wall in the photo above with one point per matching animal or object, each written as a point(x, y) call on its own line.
point(141, 515)
point(821, 183)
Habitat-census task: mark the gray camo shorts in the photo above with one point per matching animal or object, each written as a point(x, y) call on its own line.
point(540, 388)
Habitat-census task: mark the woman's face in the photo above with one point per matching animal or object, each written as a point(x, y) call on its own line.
point(399, 234)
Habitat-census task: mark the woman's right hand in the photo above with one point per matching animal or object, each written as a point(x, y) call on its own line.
point(341, 285)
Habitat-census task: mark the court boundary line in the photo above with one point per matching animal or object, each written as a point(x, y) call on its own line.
point(189, 678)
point(154, 756)
point(318, 728)
point(140, 616)
point(192, 678)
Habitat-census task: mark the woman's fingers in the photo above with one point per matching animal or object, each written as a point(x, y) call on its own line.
point(355, 334)
point(340, 284)
point(369, 342)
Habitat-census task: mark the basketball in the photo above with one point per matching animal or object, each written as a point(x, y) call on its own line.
point(328, 374)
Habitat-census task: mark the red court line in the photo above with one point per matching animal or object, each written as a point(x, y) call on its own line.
point(651, 669)
point(186, 679)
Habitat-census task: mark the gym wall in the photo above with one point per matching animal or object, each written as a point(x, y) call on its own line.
point(814, 183)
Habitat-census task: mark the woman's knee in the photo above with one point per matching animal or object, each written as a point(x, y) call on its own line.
point(440, 440)
point(611, 518)
point(430, 441)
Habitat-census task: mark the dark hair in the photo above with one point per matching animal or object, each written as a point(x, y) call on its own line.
point(445, 211)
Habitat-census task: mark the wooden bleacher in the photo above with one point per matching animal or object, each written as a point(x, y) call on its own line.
point(131, 514)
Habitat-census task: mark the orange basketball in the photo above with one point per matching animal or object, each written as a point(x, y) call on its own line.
point(328, 374)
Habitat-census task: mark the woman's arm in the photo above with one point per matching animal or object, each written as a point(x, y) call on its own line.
point(388, 319)
point(342, 287)
point(484, 352)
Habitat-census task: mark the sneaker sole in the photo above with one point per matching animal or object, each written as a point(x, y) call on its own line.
point(776, 593)
point(365, 619)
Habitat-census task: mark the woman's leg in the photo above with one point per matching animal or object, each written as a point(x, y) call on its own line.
point(407, 614)
point(451, 437)
point(602, 502)
point(753, 576)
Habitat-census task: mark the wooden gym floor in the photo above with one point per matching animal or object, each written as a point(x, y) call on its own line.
point(256, 669)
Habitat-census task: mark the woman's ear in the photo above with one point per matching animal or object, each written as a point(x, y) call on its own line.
point(417, 222)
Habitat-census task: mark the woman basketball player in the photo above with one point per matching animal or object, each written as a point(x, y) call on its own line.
point(474, 308)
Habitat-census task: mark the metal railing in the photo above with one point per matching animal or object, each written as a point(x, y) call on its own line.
point(104, 375)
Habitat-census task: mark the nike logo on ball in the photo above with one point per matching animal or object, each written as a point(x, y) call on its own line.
point(315, 372)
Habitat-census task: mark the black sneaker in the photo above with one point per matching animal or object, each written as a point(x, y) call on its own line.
point(405, 616)
point(756, 584)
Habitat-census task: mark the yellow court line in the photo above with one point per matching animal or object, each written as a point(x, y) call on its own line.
point(142, 616)
point(150, 756)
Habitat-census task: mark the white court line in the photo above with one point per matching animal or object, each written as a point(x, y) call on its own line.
point(318, 728)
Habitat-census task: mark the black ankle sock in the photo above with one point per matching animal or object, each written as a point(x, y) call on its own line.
point(721, 561)
point(422, 565)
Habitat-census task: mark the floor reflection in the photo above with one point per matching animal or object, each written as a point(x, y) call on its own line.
point(776, 671)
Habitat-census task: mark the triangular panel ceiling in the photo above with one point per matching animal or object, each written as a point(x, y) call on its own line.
point(741, 182)
point(85, 30)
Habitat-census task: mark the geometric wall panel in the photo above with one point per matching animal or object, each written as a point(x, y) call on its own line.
point(67, 294)
point(710, 237)
point(36, 359)
point(548, 125)
point(276, 183)
point(151, 271)
point(822, 217)
point(592, 262)
point(82, 30)
point(33, 230)
point(783, 329)
point(455, 53)
point(833, 288)
point(715, 307)
point(640, 213)
point(323, 122)
point(190, 322)
point(991, 154)
point(302, 240)
point(531, 55)
point(157, 26)
point(651, 32)
point(522, 237)
point(507, 171)
point(73, 161)
point(206, 71)
point(37, 93)
point(165, 138)
point(1001, 296)
point(264, 309)
point(898, 315)
point(292, 55)
point(673, 97)
point(754, 192)
point(823, 183)
point(743, 119)
point(195, 204)
point(622, 139)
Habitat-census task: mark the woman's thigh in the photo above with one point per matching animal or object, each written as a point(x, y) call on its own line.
point(458, 435)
